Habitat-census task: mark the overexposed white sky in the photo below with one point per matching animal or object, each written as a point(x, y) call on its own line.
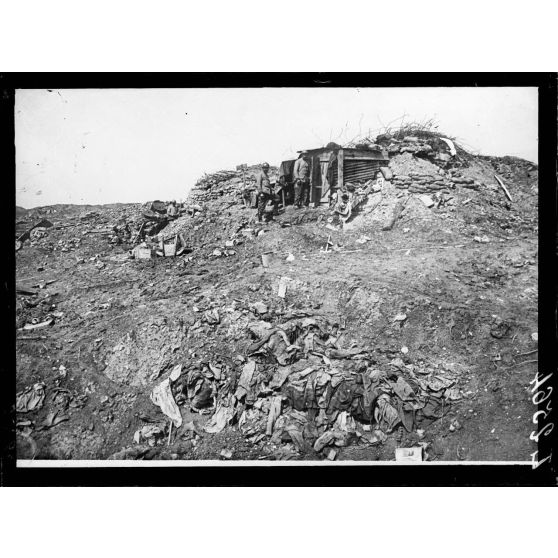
point(94, 146)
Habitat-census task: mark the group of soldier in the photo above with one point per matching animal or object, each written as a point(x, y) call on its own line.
point(266, 192)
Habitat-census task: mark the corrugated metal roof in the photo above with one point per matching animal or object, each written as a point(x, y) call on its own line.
point(379, 154)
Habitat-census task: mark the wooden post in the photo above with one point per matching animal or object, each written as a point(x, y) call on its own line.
point(244, 187)
point(503, 187)
point(326, 186)
point(340, 160)
point(138, 233)
point(310, 181)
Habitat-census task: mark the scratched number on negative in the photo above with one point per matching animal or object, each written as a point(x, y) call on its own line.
point(539, 398)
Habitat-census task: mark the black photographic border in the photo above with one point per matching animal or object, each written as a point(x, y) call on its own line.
point(298, 475)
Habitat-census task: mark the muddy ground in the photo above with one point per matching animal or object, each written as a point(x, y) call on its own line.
point(120, 324)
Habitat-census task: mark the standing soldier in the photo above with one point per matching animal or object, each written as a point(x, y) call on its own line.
point(265, 191)
point(172, 210)
point(301, 176)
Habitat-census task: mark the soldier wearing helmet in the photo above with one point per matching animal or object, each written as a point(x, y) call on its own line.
point(265, 191)
point(301, 175)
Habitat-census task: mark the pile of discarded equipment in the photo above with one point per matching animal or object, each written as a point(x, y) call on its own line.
point(298, 386)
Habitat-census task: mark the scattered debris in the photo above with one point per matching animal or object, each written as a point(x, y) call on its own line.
point(331, 454)
point(426, 200)
point(38, 325)
point(274, 412)
point(31, 398)
point(226, 454)
point(408, 455)
point(219, 420)
point(149, 433)
point(499, 327)
point(363, 240)
point(454, 425)
point(451, 146)
point(212, 316)
point(54, 418)
point(260, 307)
point(23, 290)
point(142, 252)
point(163, 398)
point(385, 413)
point(282, 290)
point(395, 214)
point(39, 228)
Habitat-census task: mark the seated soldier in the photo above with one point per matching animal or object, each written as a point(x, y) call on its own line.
point(336, 195)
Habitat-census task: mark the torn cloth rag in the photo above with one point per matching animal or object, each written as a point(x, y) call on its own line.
point(163, 398)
